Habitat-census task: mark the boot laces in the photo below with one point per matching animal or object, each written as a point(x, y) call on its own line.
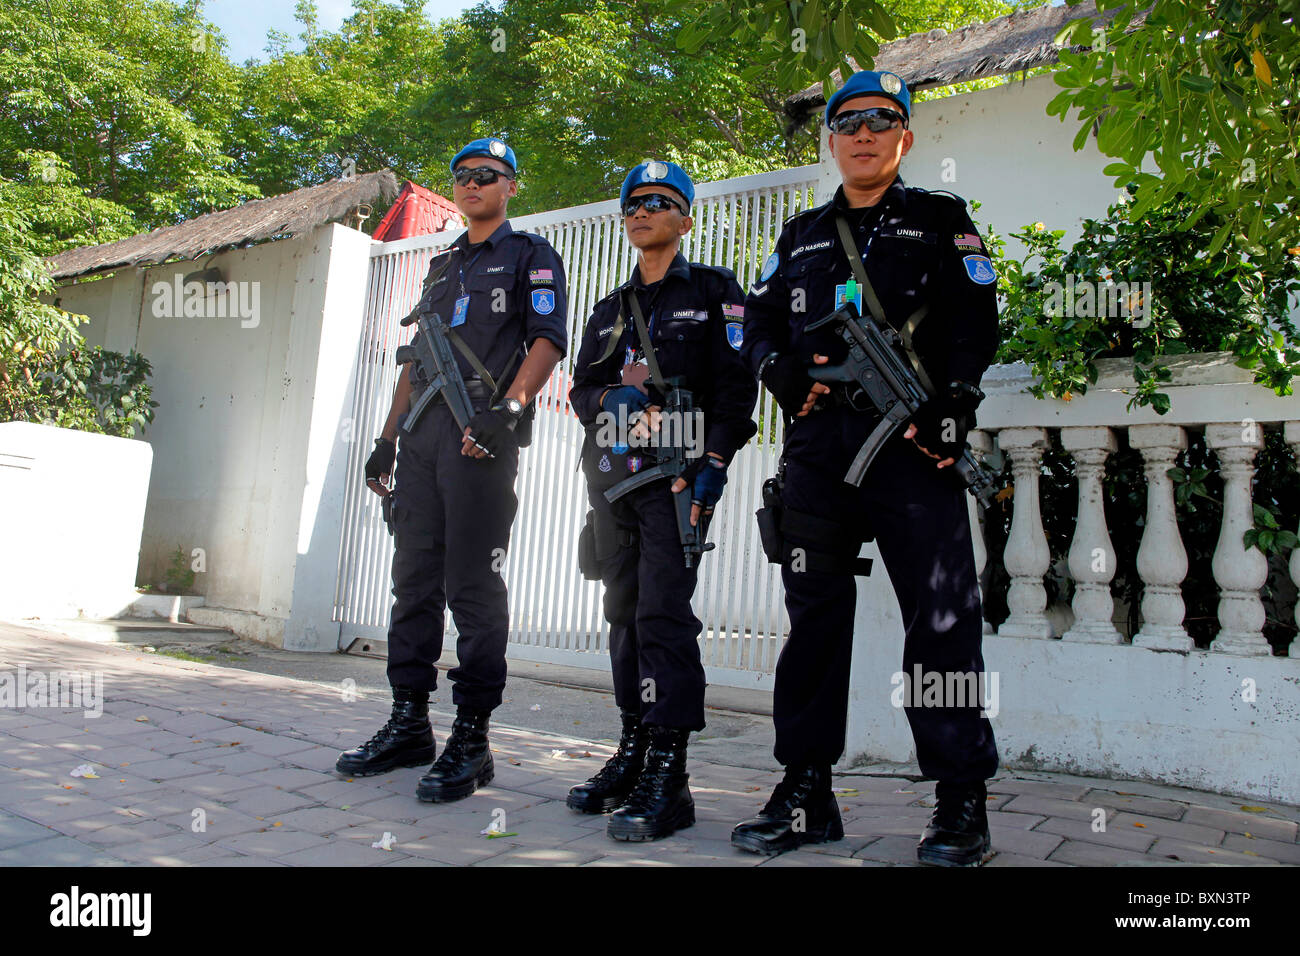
point(791, 792)
point(955, 809)
point(652, 779)
point(453, 752)
point(615, 766)
point(381, 736)
point(644, 792)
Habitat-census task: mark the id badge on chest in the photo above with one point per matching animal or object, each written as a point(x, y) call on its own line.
point(842, 295)
point(460, 311)
point(635, 369)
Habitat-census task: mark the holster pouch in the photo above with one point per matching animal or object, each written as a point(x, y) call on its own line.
point(386, 506)
point(769, 521)
point(587, 562)
point(813, 543)
point(598, 541)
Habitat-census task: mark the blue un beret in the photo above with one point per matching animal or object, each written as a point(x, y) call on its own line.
point(658, 173)
point(869, 83)
point(488, 146)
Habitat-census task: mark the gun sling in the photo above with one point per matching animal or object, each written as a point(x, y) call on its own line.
point(643, 335)
point(405, 353)
point(877, 311)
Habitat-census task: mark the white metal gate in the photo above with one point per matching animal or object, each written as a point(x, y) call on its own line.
point(555, 614)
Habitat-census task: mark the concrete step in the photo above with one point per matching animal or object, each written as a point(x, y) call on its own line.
point(169, 607)
point(141, 631)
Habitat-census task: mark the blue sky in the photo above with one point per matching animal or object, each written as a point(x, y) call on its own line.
point(245, 22)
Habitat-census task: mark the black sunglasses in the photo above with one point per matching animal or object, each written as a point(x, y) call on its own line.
point(877, 118)
point(653, 202)
point(482, 175)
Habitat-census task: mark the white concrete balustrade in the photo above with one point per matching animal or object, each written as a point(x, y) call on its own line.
point(1076, 691)
point(1209, 393)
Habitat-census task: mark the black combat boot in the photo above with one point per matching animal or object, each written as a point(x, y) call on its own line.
point(405, 741)
point(778, 827)
point(465, 764)
point(613, 782)
point(958, 832)
point(660, 803)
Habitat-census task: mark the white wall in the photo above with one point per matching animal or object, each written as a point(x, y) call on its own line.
point(73, 506)
point(248, 409)
point(1106, 710)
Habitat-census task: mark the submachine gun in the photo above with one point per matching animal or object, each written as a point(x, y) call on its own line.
point(432, 349)
point(679, 410)
point(875, 369)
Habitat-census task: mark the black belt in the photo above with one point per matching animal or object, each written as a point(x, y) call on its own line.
point(478, 392)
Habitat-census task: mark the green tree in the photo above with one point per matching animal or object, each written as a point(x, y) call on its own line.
point(347, 101)
point(1198, 302)
point(46, 373)
point(803, 42)
point(583, 91)
point(113, 119)
point(1210, 92)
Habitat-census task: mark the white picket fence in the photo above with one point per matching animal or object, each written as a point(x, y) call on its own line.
point(555, 614)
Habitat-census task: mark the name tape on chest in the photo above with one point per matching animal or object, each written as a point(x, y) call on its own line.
point(811, 247)
point(907, 232)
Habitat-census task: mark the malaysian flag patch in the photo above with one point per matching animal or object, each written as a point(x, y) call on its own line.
point(538, 276)
point(733, 311)
point(967, 241)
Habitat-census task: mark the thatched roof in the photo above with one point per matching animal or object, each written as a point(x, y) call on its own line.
point(1018, 41)
point(285, 215)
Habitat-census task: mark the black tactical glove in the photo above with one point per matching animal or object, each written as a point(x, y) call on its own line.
point(709, 481)
point(492, 428)
point(786, 377)
point(381, 460)
point(943, 422)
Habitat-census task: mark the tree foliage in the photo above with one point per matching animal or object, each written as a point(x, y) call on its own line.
point(803, 41)
point(1198, 302)
point(1210, 93)
point(46, 373)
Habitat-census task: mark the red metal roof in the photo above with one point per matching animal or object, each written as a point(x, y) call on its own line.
point(418, 212)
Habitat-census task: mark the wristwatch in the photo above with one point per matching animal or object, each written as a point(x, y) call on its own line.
point(511, 406)
point(960, 389)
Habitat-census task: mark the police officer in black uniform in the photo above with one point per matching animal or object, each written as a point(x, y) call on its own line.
point(503, 295)
point(693, 314)
point(932, 275)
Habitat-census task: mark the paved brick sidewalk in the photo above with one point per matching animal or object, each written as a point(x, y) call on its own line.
point(253, 754)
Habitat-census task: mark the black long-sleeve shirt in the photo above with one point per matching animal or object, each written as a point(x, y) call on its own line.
point(695, 318)
point(917, 246)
